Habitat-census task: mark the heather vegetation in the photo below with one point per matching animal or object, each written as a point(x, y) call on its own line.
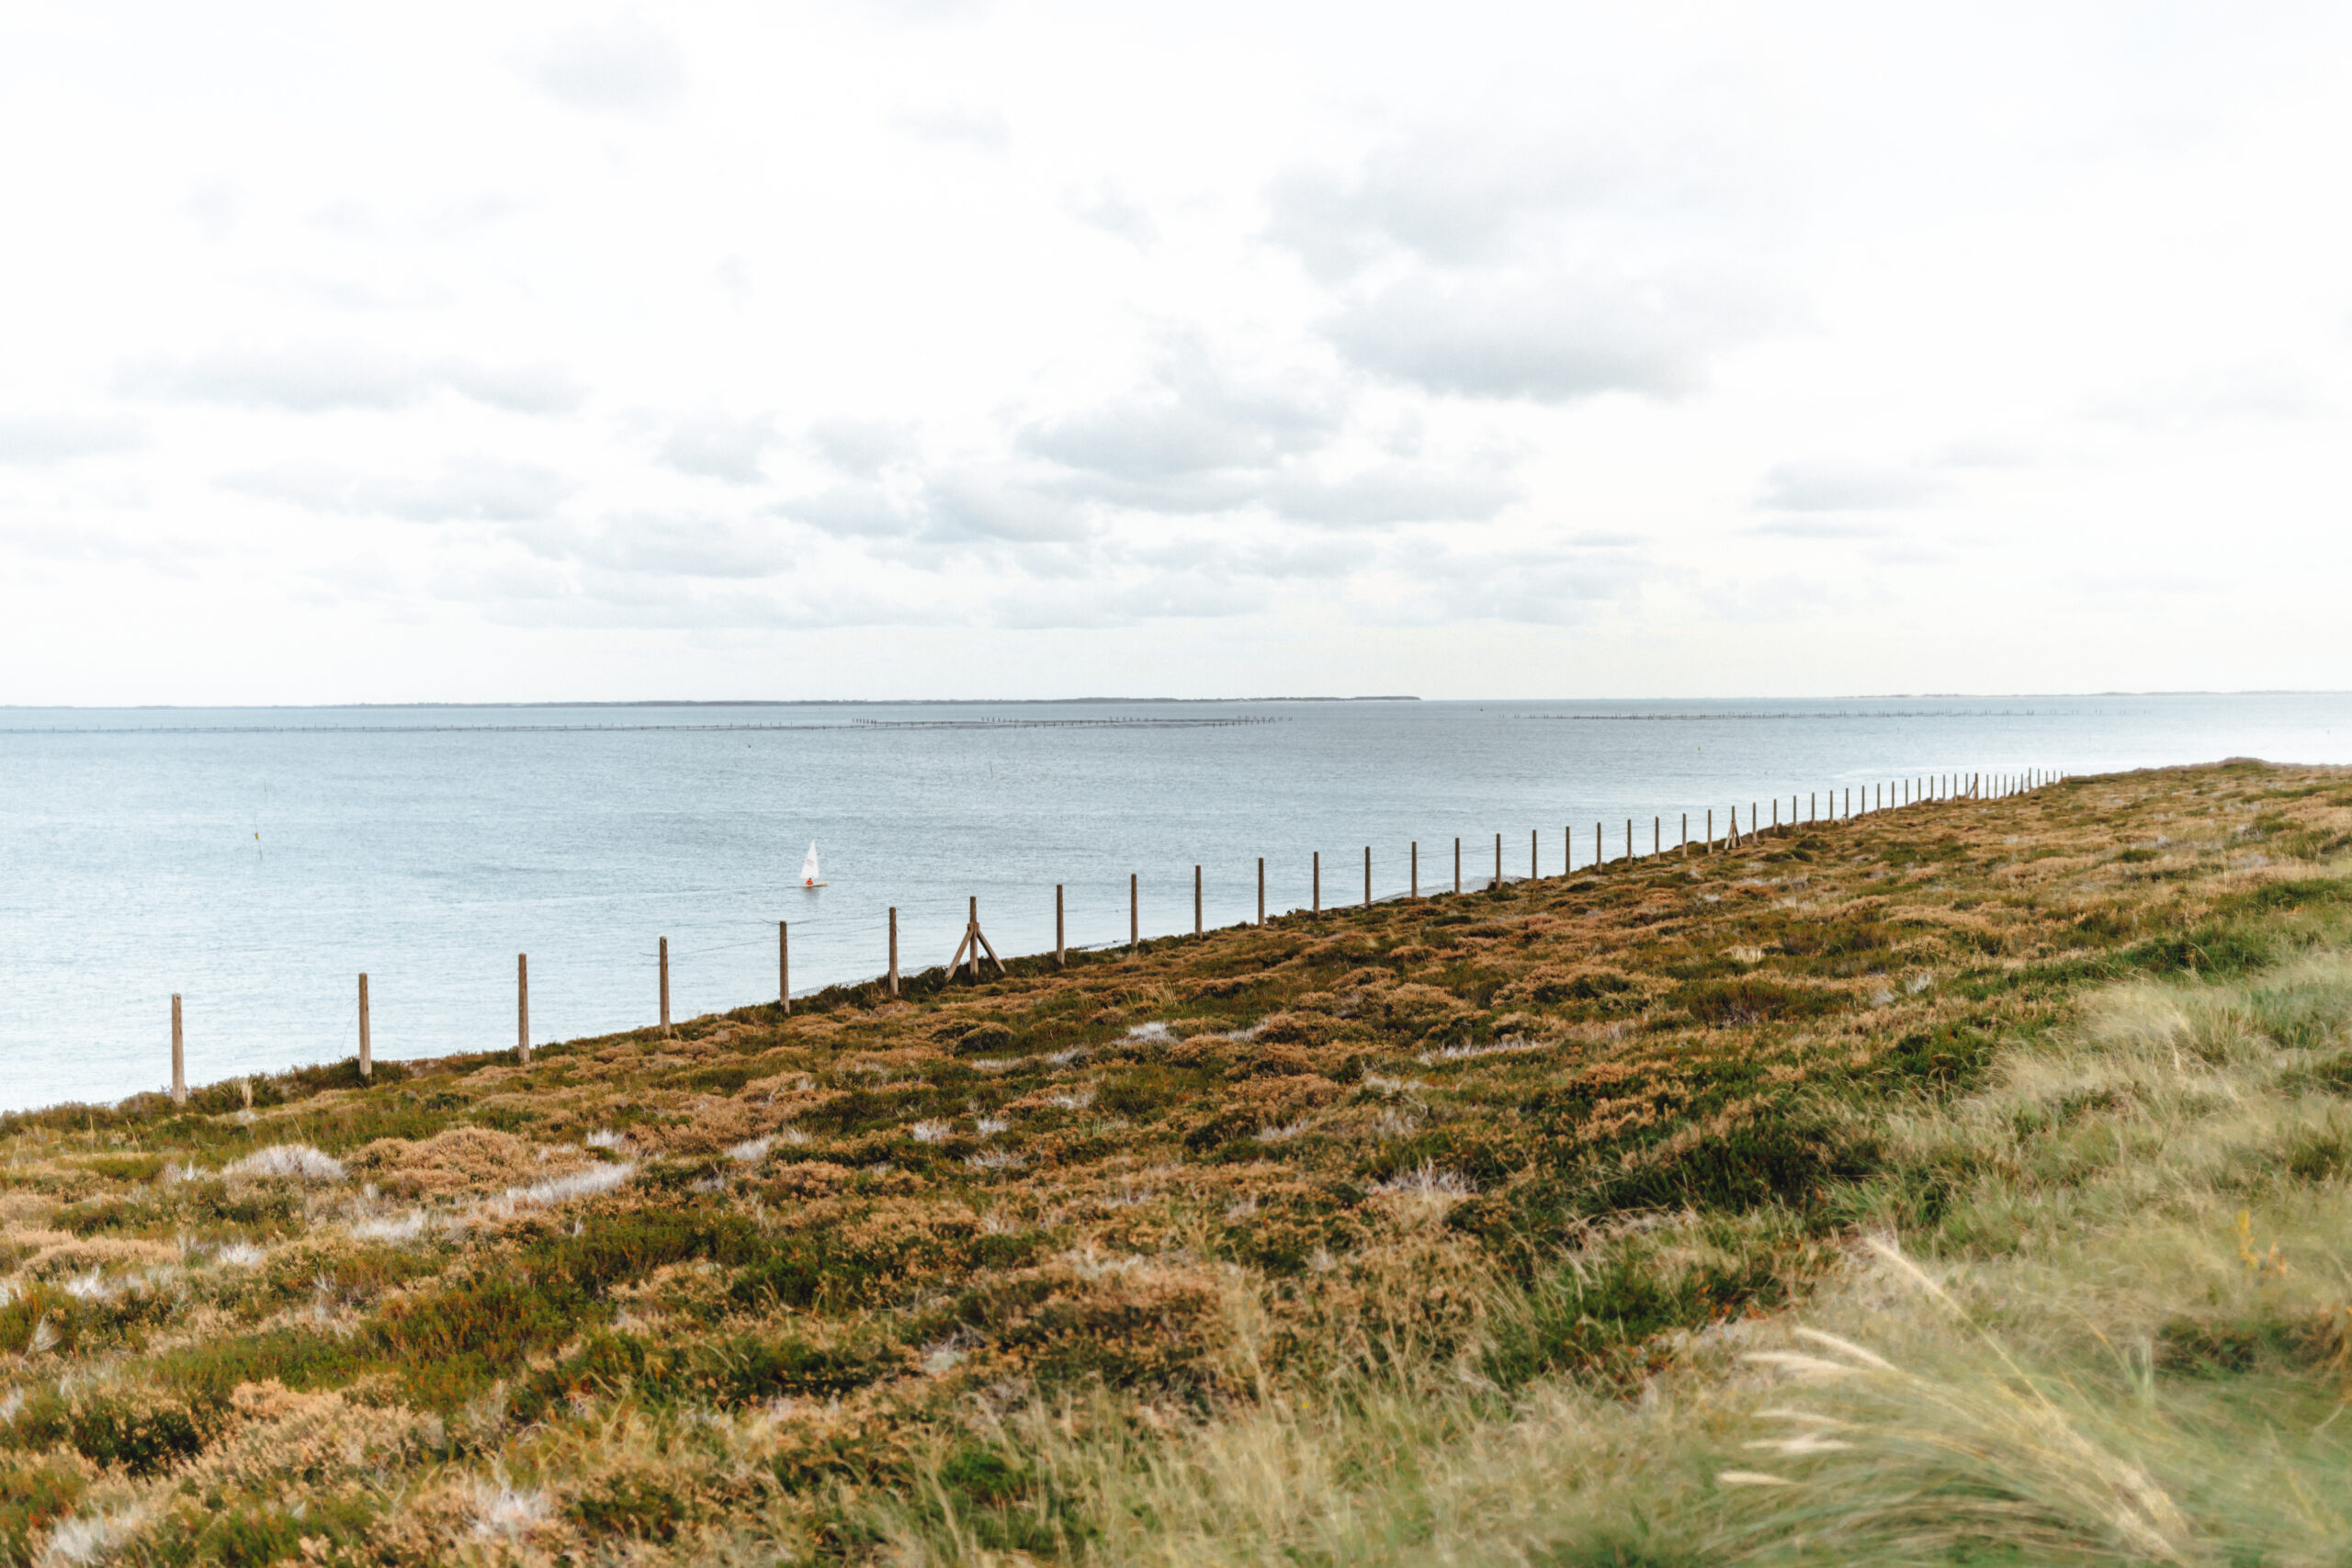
point(1960, 1184)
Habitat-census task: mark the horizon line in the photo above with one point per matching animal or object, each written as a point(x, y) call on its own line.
point(1043, 702)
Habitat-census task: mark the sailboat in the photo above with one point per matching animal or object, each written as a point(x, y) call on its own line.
point(809, 876)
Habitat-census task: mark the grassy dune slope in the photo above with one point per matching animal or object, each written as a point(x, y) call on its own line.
point(1962, 1184)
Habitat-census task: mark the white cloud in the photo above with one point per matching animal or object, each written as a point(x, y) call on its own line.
point(1549, 338)
point(309, 377)
point(955, 124)
point(521, 389)
point(718, 448)
point(626, 66)
point(318, 376)
point(1394, 493)
point(1845, 486)
point(967, 506)
point(861, 446)
point(461, 489)
point(44, 438)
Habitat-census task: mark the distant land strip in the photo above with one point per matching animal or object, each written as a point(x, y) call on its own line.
point(865, 724)
point(1062, 723)
point(1844, 713)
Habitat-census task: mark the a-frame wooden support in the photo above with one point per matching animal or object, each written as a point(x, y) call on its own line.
point(976, 943)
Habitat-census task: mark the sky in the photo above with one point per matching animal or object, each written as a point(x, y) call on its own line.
point(495, 352)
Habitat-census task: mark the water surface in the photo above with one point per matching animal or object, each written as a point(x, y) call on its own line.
point(255, 861)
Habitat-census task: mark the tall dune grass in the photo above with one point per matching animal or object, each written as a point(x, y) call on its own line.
point(2097, 1313)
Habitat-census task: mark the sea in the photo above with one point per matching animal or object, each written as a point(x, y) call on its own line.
point(256, 862)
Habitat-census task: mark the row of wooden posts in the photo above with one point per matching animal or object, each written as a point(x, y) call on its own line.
point(974, 943)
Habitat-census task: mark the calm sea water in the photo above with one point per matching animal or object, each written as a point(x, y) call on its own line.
point(255, 861)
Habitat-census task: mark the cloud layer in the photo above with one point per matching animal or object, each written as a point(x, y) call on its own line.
point(636, 351)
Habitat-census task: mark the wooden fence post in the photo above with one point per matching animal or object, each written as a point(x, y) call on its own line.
point(894, 950)
point(1534, 861)
point(1599, 863)
point(1417, 868)
point(1061, 954)
point(1367, 877)
point(1686, 835)
point(1657, 837)
point(1316, 895)
point(1710, 829)
point(1457, 864)
point(1262, 890)
point(523, 1007)
point(783, 967)
point(1498, 863)
point(1629, 839)
point(665, 985)
point(1196, 900)
point(367, 1057)
point(179, 1056)
point(1135, 912)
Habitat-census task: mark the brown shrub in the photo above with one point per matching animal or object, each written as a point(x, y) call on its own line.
point(106, 1253)
point(810, 1179)
point(469, 1160)
point(1308, 1028)
point(1271, 1060)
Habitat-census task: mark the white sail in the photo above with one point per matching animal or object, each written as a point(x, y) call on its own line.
point(809, 876)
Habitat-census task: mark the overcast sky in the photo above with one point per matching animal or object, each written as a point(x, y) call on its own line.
point(496, 352)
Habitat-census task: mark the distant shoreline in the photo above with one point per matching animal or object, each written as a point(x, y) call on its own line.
point(1065, 702)
point(683, 703)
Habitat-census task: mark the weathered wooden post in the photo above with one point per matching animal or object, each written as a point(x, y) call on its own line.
point(1457, 864)
point(665, 985)
point(783, 967)
point(976, 943)
point(894, 950)
point(1317, 894)
point(1657, 838)
point(367, 1058)
point(1710, 829)
point(1196, 900)
point(523, 1007)
point(1685, 840)
point(1262, 890)
point(179, 1056)
point(1534, 861)
point(1599, 863)
point(1135, 913)
point(1367, 877)
point(1498, 863)
point(1061, 954)
point(1629, 840)
point(1416, 869)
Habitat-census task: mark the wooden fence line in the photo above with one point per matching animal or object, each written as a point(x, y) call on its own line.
point(1877, 796)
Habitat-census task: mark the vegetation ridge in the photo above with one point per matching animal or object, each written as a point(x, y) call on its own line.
point(1959, 1183)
